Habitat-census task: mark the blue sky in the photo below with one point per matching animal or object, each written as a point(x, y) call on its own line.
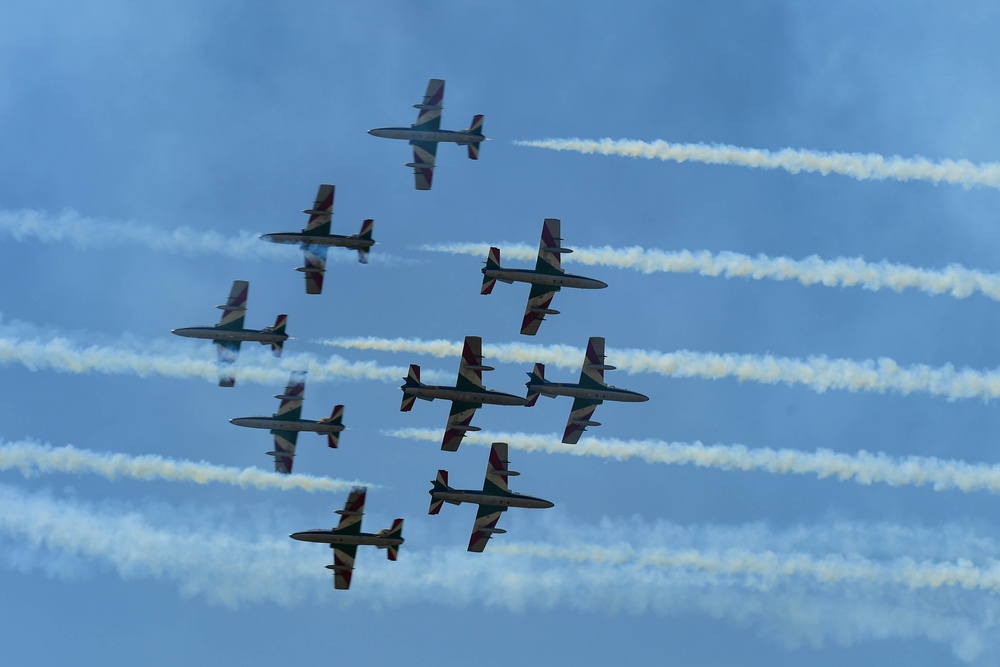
point(224, 117)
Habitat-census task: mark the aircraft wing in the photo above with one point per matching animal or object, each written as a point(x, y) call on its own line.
point(321, 212)
point(227, 351)
point(234, 311)
point(470, 368)
point(485, 526)
point(497, 470)
point(592, 375)
point(343, 565)
point(429, 116)
point(579, 419)
point(350, 516)
point(550, 248)
point(539, 300)
point(284, 450)
point(314, 267)
point(291, 401)
point(424, 153)
point(458, 423)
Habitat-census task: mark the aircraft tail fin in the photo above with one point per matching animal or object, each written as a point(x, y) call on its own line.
point(337, 419)
point(476, 129)
point(396, 532)
point(440, 484)
point(412, 379)
point(366, 233)
point(492, 264)
point(278, 328)
point(535, 377)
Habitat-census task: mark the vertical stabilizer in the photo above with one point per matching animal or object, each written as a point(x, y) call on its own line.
point(441, 485)
point(492, 264)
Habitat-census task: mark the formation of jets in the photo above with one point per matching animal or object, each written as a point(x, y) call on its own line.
point(468, 393)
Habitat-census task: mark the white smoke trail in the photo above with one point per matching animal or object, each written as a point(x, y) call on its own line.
point(768, 567)
point(86, 233)
point(863, 467)
point(861, 166)
point(956, 281)
point(32, 458)
point(62, 355)
point(817, 373)
point(212, 556)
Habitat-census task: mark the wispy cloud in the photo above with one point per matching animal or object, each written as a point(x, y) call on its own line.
point(956, 281)
point(818, 373)
point(66, 356)
point(32, 458)
point(862, 166)
point(795, 598)
point(86, 233)
point(862, 467)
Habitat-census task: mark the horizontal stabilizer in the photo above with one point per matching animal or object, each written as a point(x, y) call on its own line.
point(312, 211)
point(288, 397)
point(506, 280)
point(427, 107)
point(309, 269)
point(238, 309)
point(557, 249)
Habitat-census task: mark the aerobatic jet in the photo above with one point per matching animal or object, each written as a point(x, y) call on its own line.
point(587, 394)
point(493, 500)
point(287, 422)
point(547, 278)
point(315, 239)
point(229, 332)
point(426, 133)
point(347, 537)
point(467, 396)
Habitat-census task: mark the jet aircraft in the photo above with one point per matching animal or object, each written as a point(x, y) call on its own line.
point(547, 278)
point(466, 396)
point(347, 536)
point(493, 500)
point(286, 423)
point(315, 239)
point(229, 332)
point(587, 394)
point(426, 133)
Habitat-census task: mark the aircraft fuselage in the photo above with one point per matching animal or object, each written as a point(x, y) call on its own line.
point(486, 396)
point(537, 278)
point(409, 134)
point(553, 389)
point(301, 238)
point(457, 496)
point(214, 333)
point(330, 537)
point(277, 424)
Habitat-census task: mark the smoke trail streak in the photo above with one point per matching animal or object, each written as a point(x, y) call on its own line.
point(956, 281)
point(769, 567)
point(32, 458)
point(818, 373)
point(212, 556)
point(62, 355)
point(861, 166)
point(87, 233)
point(864, 468)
